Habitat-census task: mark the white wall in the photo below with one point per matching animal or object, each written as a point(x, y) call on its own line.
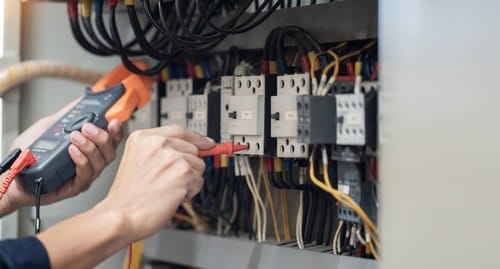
point(440, 134)
point(46, 35)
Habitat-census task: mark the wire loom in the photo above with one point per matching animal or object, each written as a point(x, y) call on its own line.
point(172, 27)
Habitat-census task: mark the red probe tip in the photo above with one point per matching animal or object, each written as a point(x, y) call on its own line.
point(222, 149)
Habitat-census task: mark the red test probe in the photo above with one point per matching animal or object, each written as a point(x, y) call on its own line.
point(221, 149)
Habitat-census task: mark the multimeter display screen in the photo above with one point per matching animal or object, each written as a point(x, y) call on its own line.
point(46, 144)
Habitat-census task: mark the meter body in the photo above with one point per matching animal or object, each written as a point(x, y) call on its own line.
point(54, 165)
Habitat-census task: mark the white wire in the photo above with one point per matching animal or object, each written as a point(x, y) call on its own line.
point(259, 199)
point(254, 196)
point(359, 236)
point(336, 251)
point(298, 224)
point(300, 213)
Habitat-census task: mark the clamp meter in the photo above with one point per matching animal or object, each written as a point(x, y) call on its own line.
point(115, 96)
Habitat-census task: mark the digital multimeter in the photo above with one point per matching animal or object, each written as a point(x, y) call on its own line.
point(100, 104)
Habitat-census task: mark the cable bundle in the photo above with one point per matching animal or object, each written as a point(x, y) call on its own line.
point(172, 27)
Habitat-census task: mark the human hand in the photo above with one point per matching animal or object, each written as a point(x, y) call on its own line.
point(91, 150)
point(160, 169)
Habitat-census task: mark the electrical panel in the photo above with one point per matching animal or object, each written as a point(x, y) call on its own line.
point(284, 115)
point(285, 90)
point(249, 110)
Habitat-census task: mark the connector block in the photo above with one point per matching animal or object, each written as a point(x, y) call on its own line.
point(317, 122)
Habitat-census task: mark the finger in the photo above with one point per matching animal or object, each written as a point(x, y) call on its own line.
point(101, 139)
point(89, 149)
point(84, 174)
point(180, 132)
point(195, 187)
point(116, 132)
point(180, 145)
point(197, 164)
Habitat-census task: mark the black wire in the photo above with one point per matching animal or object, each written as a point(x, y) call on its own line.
point(126, 61)
point(38, 191)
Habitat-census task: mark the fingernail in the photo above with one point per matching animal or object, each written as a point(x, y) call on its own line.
point(79, 139)
point(91, 129)
point(75, 151)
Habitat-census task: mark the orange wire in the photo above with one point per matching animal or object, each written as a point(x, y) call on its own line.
point(129, 256)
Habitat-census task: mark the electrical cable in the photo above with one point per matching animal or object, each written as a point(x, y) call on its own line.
point(16, 74)
point(38, 191)
point(72, 8)
point(342, 198)
point(119, 47)
point(271, 201)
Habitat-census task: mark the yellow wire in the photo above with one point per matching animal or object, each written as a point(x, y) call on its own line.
point(346, 200)
point(354, 53)
point(343, 44)
point(284, 212)
point(370, 247)
point(341, 58)
point(335, 63)
point(183, 218)
point(271, 201)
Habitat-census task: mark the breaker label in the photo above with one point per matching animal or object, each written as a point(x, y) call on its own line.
point(291, 115)
point(199, 115)
point(247, 115)
point(344, 189)
point(177, 115)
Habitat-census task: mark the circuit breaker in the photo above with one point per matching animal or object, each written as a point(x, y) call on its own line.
point(174, 106)
point(204, 113)
point(248, 112)
point(226, 91)
point(284, 115)
point(353, 182)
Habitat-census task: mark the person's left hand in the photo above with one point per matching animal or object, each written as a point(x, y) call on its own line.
point(91, 150)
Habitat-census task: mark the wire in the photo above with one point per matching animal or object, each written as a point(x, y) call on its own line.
point(19, 73)
point(342, 198)
point(38, 191)
point(284, 211)
point(271, 201)
point(129, 257)
point(25, 159)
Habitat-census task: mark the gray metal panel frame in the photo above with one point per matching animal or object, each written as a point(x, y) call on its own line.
point(332, 22)
point(210, 251)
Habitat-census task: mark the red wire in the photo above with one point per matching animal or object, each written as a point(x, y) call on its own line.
point(25, 159)
point(129, 256)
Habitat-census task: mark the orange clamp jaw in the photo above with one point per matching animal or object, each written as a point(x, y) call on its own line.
point(222, 149)
point(136, 91)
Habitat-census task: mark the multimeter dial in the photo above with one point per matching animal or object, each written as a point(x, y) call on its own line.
point(76, 125)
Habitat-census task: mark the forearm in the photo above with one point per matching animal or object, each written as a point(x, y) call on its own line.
point(86, 239)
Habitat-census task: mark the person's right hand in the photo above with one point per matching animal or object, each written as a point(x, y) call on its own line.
point(159, 170)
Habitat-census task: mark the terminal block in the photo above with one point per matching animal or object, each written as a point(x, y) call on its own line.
point(357, 116)
point(317, 121)
point(204, 113)
point(226, 90)
point(284, 115)
point(248, 111)
point(352, 182)
point(351, 127)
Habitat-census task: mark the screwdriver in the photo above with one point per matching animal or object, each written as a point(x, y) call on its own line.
point(227, 148)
